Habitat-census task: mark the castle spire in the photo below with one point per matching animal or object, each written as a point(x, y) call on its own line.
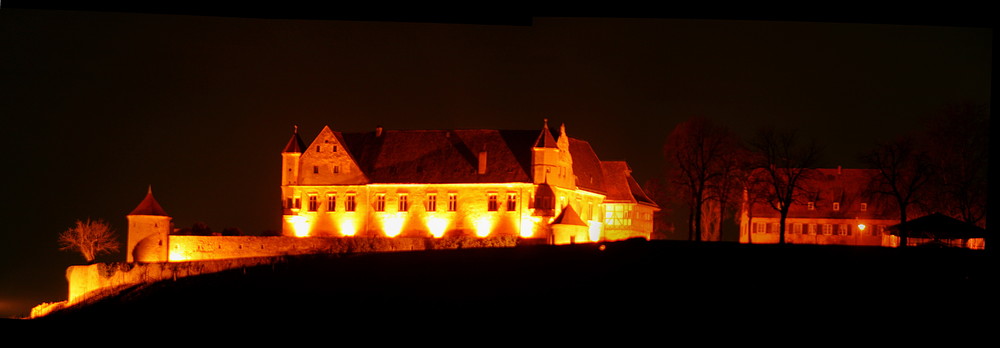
point(295, 144)
point(149, 205)
point(545, 139)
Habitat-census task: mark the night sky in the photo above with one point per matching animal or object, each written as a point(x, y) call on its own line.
point(97, 106)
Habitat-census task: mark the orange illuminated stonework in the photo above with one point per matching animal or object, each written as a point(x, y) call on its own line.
point(433, 183)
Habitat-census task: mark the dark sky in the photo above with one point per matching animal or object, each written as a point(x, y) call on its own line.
point(97, 106)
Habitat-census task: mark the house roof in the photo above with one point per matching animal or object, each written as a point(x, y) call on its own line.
point(568, 216)
point(442, 156)
point(148, 206)
point(452, 156)
point(937, 226)
point(826, 186)
point(621, 186)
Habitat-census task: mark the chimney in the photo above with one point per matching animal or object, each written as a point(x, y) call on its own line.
point(378, 131)
point(482, 162)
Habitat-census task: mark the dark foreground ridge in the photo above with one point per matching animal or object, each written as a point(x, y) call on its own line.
point(624, 281)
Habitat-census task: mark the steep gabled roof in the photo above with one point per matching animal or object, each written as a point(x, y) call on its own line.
point(545, 138)
point(295, 144)
point(586, 166)
point(442, 156)
point(568, 216)
point(148, 206)
point(825, 186)
point(616, 182)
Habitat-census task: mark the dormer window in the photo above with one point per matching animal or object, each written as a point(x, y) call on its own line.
point(836, 206)
point(811, 205)
point(864, 206)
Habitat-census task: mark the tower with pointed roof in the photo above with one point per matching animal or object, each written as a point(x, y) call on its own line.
point(148, 231)
point(290, 166)
point(551, 162)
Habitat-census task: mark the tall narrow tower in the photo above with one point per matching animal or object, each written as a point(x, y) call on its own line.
point(148, 232)
point(290, 157)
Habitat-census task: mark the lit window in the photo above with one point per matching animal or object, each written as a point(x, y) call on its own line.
point(331, 202)
point(759, 227)
point(797, 228)
point(812, 229)
point(511, 201)
point(432, 202)
point(380, 202)
point(349, 205)
point(313, 203)
point(842, 230)
point(811, 205)
point(827, 229)
point(404, 202)
point(452, 202)
point(493, 205)
point(864, 206)
point(774, 228)
point(836, 206)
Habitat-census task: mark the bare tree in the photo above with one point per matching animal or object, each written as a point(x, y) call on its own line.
point(694, 153)
point(958, 139)
point(785, 165)
point(902, 173)
point(90, 238)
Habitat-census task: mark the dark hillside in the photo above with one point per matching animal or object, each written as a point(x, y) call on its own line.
point(626, 281)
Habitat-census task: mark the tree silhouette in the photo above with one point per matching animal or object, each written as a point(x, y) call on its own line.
point(902, 173)
point(90, 238)
point(785, 165)
point(958, 148)
point(696, 158)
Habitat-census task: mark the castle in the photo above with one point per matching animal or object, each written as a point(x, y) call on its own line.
point(431, 183)
point(410, 186)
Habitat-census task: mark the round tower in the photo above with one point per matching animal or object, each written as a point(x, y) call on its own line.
point(148, 232)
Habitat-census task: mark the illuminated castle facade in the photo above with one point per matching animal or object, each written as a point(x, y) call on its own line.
point(834, 210)
point(432, 183)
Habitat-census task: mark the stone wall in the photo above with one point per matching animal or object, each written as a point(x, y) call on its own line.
point(193, 248)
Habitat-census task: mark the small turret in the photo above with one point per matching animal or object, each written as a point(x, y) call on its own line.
point(148, 231)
